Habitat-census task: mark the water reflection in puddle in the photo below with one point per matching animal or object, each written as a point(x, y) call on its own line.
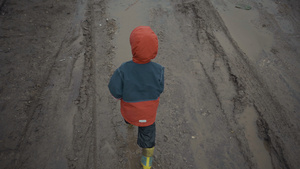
point(248, 120)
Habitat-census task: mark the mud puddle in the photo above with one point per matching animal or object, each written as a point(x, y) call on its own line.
point(80, 10)
point(260, 152)
point(128, 15)
point(245, 29)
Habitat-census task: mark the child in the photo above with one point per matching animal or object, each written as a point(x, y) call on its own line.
point(138, 84)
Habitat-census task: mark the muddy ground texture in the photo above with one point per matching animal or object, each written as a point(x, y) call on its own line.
point(231, 99)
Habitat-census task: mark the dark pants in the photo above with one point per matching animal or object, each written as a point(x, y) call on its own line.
point(146, 136)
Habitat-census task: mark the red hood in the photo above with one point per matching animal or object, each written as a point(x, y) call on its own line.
point(144, 44)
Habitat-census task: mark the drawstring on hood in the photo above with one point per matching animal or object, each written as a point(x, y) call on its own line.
point(144, 44)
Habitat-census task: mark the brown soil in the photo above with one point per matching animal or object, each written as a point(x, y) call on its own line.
point(232, 84)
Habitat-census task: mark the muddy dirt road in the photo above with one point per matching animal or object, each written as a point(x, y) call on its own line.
point(232, 84)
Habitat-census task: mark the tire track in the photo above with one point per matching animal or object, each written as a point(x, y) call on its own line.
point(33, 109)
point(84, 151)
point(202, 21)
point(34, 127)
point(250, 88)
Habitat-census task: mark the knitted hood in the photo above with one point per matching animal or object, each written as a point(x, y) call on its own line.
point(144, 44)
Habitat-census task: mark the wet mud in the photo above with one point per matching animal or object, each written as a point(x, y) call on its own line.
point(231, 96)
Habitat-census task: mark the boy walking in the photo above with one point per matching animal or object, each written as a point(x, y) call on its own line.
point(138, 84)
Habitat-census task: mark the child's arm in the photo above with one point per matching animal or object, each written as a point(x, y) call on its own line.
point(116, 85)
point(162, 80)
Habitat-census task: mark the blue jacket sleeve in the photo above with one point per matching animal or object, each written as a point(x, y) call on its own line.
point(116, 85)
point(162, 80)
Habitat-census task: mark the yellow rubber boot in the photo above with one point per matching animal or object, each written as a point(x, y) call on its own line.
point(147, 158)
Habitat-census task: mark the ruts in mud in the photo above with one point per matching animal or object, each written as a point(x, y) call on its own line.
point(231, 96)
